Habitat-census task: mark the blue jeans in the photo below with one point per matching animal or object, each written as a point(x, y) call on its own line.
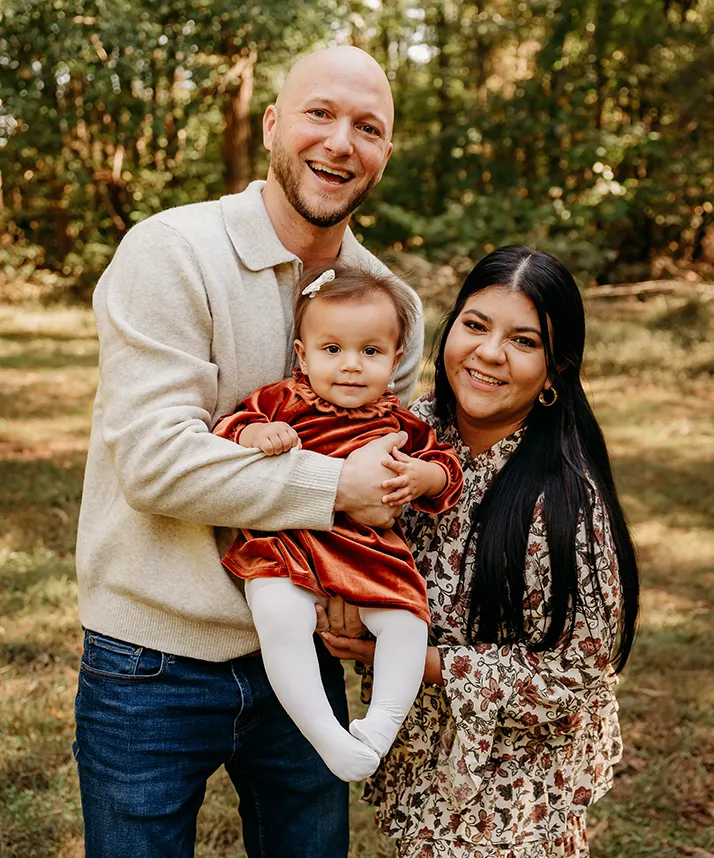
point(153, 727)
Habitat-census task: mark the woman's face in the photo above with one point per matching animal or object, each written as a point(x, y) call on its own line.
point(495, 363)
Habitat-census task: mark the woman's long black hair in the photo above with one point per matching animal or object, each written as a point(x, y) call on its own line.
point(562, 449)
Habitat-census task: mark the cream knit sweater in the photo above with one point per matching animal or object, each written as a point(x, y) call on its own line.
point(193, 314)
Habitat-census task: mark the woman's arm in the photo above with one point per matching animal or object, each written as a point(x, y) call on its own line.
point(488, 686)
point(523, 683)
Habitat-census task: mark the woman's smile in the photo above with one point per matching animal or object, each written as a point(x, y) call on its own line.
point(482, 378)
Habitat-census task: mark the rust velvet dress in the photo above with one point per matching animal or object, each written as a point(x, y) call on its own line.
point(367, 567)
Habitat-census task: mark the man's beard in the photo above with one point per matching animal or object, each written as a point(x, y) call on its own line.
point(287, 179)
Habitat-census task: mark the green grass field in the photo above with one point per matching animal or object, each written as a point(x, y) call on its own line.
point(650, 369)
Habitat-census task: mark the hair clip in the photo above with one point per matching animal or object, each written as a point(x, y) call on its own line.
point(313, 288)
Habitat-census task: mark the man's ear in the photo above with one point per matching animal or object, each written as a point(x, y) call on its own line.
point(389, 154)
point(300, 352)
point(270, 120)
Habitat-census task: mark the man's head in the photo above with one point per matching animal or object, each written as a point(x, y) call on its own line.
point(329, 134)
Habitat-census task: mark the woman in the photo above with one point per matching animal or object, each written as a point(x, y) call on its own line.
point(532, 584)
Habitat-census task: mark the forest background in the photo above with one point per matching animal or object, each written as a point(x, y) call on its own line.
point(583, 127)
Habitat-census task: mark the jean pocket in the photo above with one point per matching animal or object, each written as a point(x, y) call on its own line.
point(110, 658)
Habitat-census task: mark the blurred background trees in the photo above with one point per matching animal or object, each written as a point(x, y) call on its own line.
point(585, 127)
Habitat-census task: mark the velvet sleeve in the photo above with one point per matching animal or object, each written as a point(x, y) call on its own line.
point(268, 404)
point(423, 444)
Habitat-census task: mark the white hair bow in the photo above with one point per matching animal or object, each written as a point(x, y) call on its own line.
point(313, 288)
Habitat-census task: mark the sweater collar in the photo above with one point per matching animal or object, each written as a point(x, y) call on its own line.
point(253, 235)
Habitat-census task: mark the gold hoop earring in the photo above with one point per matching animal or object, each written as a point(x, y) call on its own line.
point(542, 399)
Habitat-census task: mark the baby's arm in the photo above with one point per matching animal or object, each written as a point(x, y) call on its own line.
point(271, 438)
point(430, 477)
point(414, 478)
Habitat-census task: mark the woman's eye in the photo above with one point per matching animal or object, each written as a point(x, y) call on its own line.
point(475, 326)
point(527, 342)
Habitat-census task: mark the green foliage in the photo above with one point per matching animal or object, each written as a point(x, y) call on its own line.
point(110, 112)
point(583, 127)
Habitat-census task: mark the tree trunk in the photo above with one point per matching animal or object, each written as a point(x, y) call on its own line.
point(237, 153)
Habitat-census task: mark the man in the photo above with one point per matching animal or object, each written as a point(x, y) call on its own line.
point(193, 313)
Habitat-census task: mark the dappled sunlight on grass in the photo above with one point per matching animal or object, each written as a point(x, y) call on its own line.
point(652, 391)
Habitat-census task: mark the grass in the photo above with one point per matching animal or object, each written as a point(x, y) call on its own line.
point(649, 373)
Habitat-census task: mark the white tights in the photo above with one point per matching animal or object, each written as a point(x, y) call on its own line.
point(284, 616)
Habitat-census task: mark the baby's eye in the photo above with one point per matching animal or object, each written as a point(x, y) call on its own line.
point(332, 350)
point(370, 351)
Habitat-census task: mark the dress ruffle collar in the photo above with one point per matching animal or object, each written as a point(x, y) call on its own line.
point(386, 403)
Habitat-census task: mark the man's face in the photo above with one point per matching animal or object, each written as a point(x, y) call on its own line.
point(329, 142)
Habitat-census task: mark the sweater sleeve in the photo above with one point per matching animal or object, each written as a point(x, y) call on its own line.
point(492, 685)
point(422, 444)
point(407, 371)
point(158, 392)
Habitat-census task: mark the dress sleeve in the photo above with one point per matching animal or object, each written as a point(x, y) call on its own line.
point(512, 686)
point(262, 406)
point(422, 444)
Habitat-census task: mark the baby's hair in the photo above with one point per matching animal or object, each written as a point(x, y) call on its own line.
point(352, 281)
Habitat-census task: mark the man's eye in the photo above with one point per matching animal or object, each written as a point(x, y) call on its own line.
point(318, 112)
point(371, 130)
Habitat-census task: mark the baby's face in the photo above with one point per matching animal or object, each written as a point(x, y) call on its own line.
point(349, 349)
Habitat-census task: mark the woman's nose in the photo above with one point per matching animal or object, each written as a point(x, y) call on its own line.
point(491, 349)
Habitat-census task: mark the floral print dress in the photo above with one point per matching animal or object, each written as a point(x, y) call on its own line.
point(504, 759)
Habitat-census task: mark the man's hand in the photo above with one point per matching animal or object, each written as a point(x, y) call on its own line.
point(415, 478)
point(340, 628)
point(350, 649)
point(339, 618)
point(271, 438)
point(360, 492)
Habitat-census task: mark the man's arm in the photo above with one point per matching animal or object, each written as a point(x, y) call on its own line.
point(158, 391)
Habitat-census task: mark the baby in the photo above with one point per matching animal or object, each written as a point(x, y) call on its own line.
point(351, 326)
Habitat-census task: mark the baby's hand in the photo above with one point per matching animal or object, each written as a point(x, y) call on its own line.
point(414, 478)
point(271, 438)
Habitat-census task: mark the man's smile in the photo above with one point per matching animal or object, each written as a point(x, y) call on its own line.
point(333, 175)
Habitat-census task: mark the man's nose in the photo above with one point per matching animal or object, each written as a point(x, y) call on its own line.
point(339, 141)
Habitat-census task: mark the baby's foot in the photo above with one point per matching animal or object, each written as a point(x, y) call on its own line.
point(375, 732)
point(347, 757)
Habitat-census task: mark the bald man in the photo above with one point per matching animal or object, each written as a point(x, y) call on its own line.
point(194, 313)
